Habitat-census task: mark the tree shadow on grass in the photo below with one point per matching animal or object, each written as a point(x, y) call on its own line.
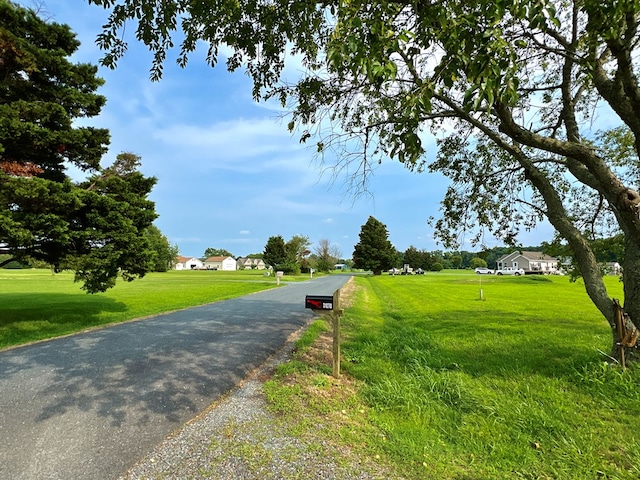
point(29, 317)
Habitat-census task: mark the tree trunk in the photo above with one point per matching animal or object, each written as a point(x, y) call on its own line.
point(631, 317)
point(631, 279)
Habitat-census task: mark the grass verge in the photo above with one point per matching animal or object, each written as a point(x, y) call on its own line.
point(441, 384)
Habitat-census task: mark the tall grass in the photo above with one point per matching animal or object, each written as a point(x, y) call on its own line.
point(512, 386)
point(34, 304)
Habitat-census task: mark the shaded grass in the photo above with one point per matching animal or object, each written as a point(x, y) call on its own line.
point(35, 305)
point(513, 386)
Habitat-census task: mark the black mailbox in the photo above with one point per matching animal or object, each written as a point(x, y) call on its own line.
point(319, 302)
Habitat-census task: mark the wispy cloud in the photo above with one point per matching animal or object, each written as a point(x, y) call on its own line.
point(187, 239)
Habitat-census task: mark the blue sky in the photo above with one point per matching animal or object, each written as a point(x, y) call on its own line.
point(230, 175)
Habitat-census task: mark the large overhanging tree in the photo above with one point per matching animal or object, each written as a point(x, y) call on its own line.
point(512, 88)
point(95, 226)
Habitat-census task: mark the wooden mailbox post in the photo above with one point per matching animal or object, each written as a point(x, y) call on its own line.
point(329, 305)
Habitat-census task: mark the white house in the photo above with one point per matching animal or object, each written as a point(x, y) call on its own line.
point(188, 263)
point(220, 263)
point(612, 268)
point(251, 264)
point(529, 261)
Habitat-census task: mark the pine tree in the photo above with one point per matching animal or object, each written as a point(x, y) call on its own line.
point(95, 226)
point(374, 251)
point(274, 251)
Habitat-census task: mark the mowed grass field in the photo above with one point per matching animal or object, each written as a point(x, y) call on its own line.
point(448, 386)
point(35, 304)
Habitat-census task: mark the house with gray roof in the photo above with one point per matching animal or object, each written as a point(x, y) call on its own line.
point(529, 262)
point(251, 264)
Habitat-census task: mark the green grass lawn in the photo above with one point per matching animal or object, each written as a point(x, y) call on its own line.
point(34, 304)
point(450, 386)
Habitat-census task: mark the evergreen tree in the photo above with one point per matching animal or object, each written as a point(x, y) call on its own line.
point(413, 257)
point(374, 251)
point(274, 251)
point(96, 226)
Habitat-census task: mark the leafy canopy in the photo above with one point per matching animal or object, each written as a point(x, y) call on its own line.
point(164, 254)
point(217, 252)
point(380, 73)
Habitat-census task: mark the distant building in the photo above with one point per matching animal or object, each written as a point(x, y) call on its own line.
point(612, 268)
point(221, 263)
point(188, 263)
point(341, 266)
point(251, 264)
point(529, 262)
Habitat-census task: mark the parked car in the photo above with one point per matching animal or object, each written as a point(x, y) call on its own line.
point(419, 271)
point(484, 271)
point(407, 271)
point(510, 271)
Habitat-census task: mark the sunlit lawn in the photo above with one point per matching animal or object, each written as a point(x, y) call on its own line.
point(455, 387)
point(34, 304)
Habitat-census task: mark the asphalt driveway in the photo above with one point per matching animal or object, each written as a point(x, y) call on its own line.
point(90, 405)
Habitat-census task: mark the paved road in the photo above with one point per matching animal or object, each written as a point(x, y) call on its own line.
point(90, 405)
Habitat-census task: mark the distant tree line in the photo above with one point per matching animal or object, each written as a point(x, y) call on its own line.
point(375, 252)
point(294, 256)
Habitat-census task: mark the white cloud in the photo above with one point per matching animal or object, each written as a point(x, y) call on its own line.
point(240, 145)
point(238, 131)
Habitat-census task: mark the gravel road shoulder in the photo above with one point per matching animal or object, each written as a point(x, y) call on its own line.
point(240, 438)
